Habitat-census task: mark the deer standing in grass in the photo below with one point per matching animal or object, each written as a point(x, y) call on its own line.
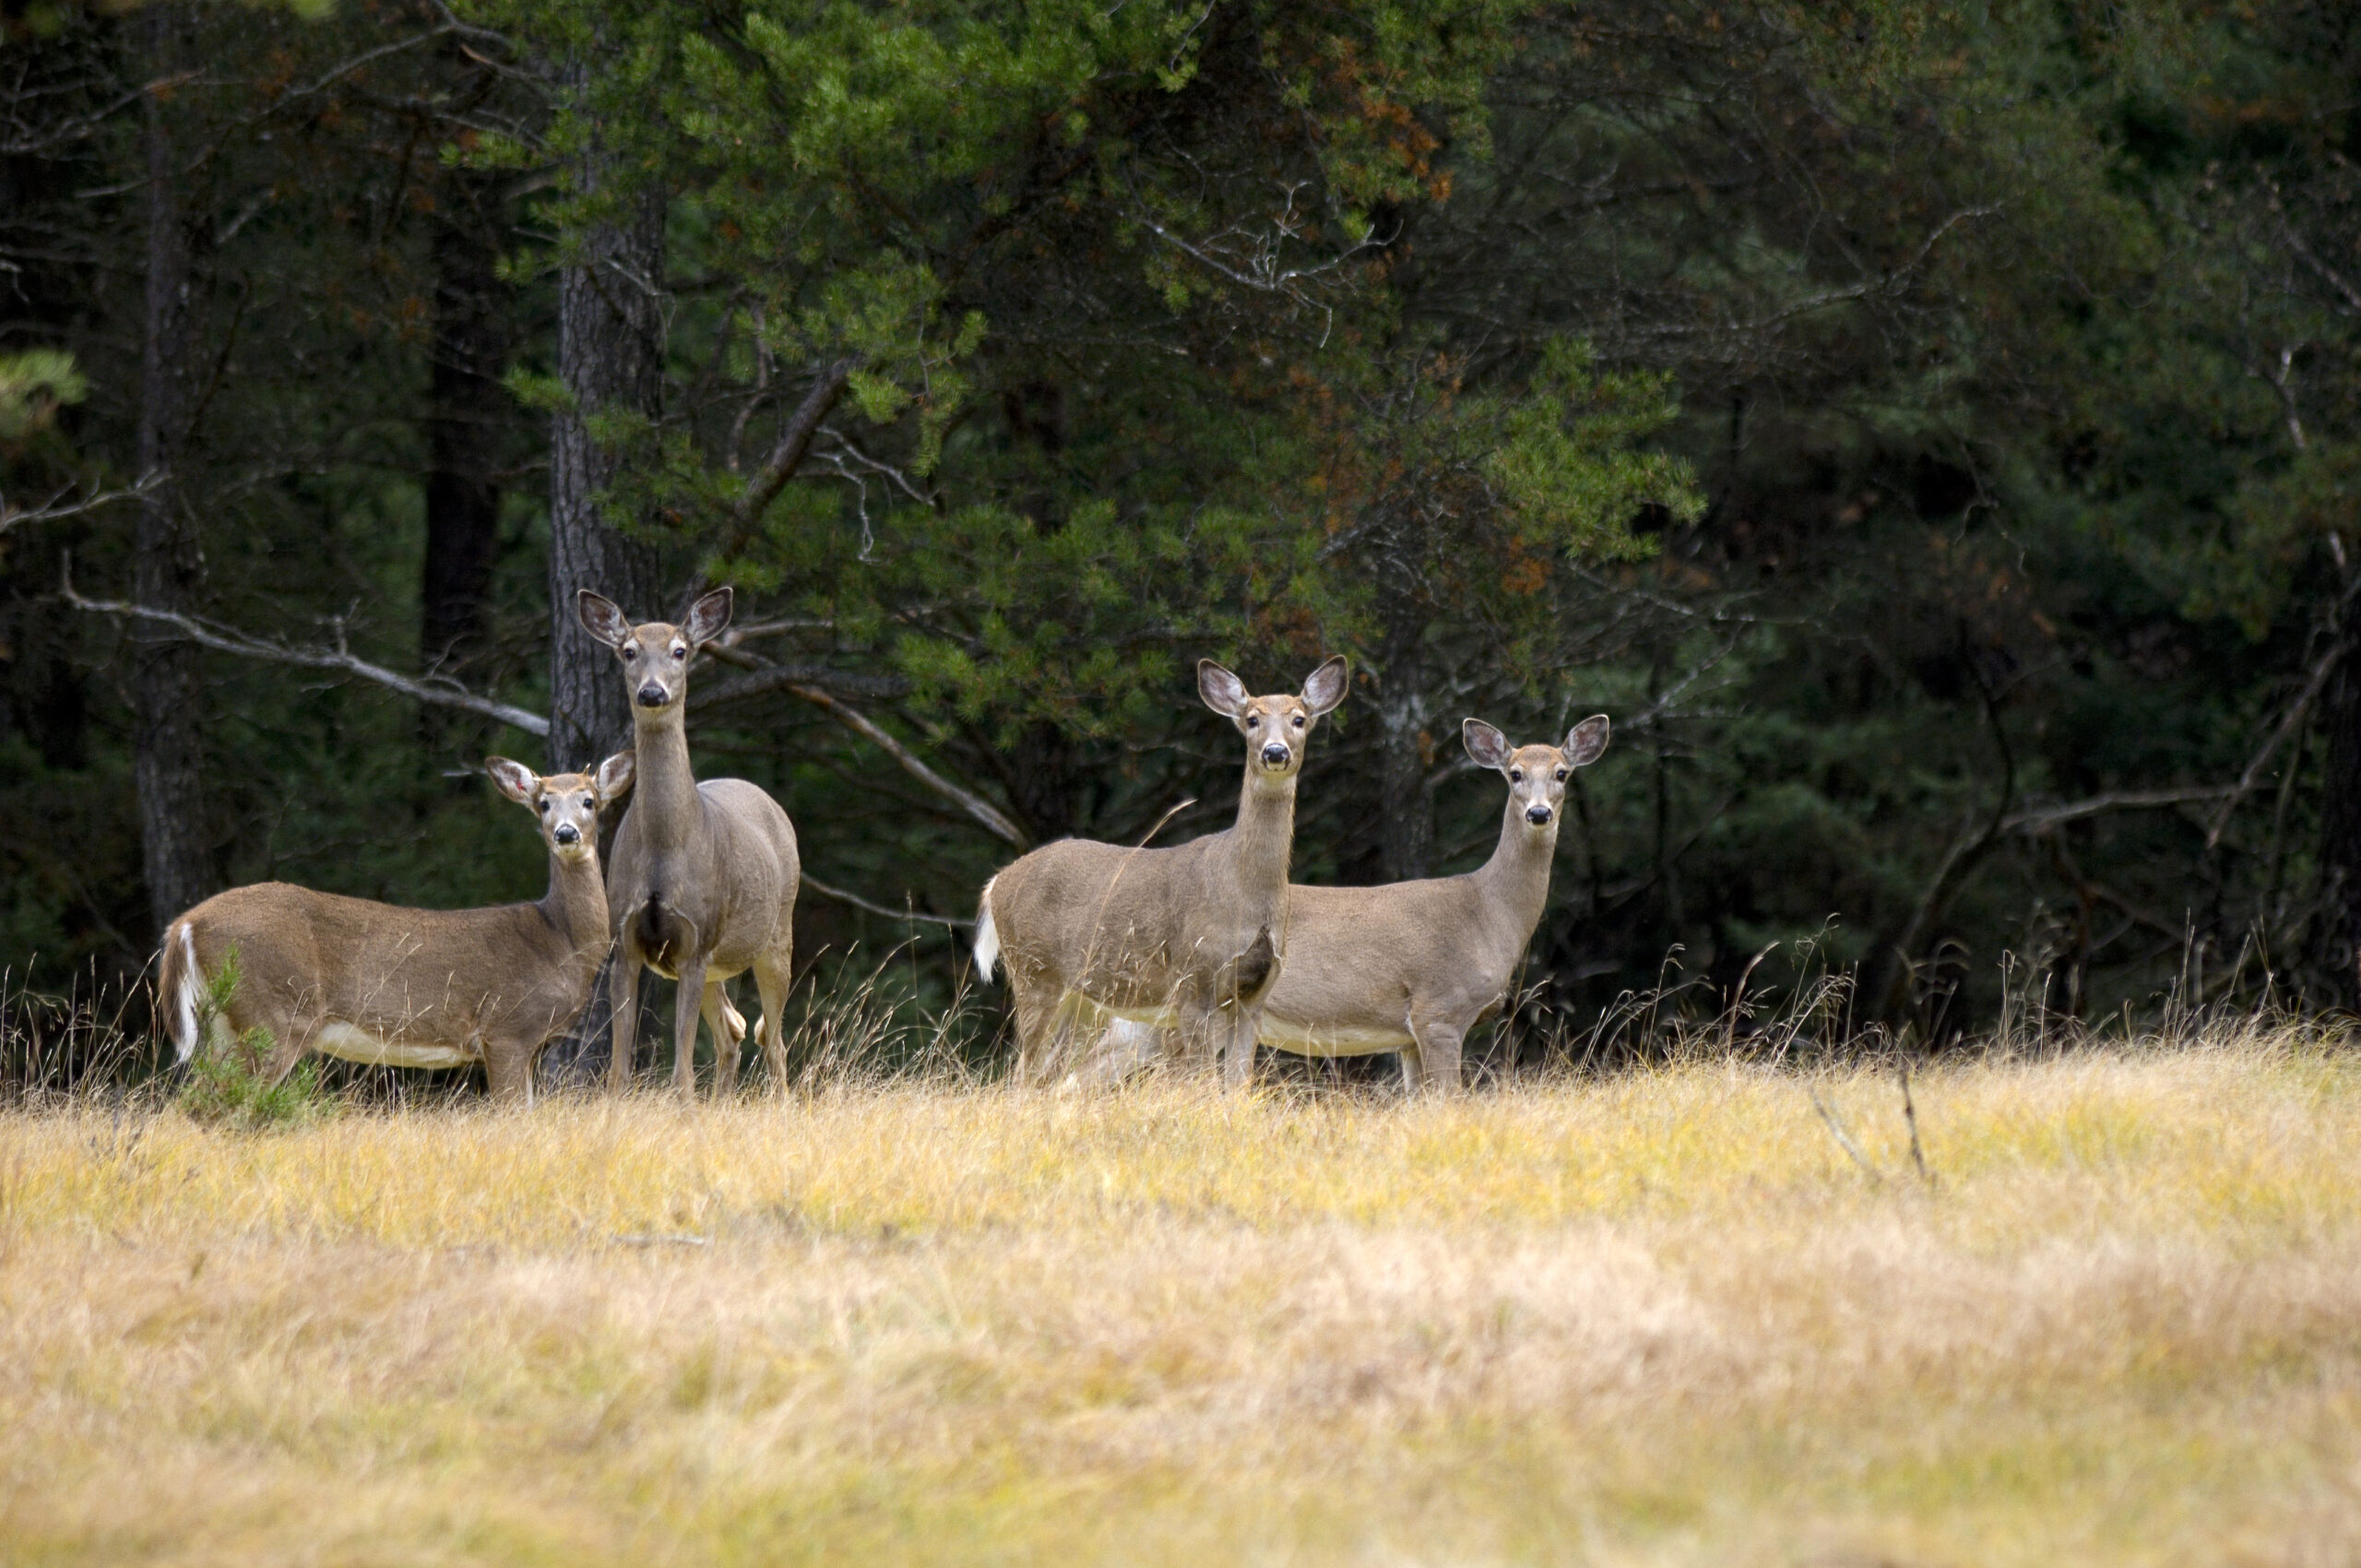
point(1190, 936)
point(705, 875)
point(1413, 966)
point(406, 987)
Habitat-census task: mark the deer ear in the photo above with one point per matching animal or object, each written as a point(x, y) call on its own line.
point(1585, 741)
point(514, 779)
point(1486, 744)
point(602, 617)
point(616, 776)
point(1223, 691)
point(707, 616)
point(1325, 687)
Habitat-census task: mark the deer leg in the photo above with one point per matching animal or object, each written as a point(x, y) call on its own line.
point(770, 980)
point(287, 1048)
point(623, 995)
point(1414, 1071)
point(773, 974)
point(728, 1033)
point(1439, 1050)
point(508, 1072)
point(1038, 1012)
point(684, 1027)
point(1234, 1027)
point(1198, 1022)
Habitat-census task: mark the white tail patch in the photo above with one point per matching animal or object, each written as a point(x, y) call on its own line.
point(986, 935)
point(184, 996)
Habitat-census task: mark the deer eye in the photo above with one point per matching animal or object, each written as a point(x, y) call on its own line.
point(1298, 721)
point(1516, 776)
point(1561, 776)
point(1253, 721)
point(679, 653)
point(544, 805)
point(630, 651)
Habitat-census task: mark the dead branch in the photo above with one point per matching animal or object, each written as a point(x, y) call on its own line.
point(56, 507)
point(436, 690)
point(858, 902)
point(787, 455)
point(1844, 1141)
point(1910, 1115)
point(974, 805)
point(444, 693)
point(2313, 685)
point(2041, 819)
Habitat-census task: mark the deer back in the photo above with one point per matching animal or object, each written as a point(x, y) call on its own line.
point(1130, 927)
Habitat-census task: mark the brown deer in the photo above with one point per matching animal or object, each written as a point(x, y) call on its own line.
point(705, 875)
point(1413, 966)
point(406, 987)
point(1192, 934)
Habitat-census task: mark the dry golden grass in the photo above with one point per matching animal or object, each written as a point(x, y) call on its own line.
point(1658, 1318)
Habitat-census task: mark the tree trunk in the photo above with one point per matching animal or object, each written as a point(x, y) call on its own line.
point(468, 409)
point(1405, 745)
point(610, 354)
point(167, 754)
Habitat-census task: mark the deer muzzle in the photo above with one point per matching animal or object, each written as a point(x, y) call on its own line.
point(653, 695)
point(1276, 755)
point(1537, 816)
point(567, 833)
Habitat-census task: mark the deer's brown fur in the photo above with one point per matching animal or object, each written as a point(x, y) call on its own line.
point(1193, 933)
point(706, 873)
point(411, 988)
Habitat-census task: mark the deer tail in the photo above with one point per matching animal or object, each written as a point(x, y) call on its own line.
point(181, 986)
point(986, 935)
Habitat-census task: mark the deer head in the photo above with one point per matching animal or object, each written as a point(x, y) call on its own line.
point(566, 804)
point(1275, 727)
point(655, 654)
point(1536, 775)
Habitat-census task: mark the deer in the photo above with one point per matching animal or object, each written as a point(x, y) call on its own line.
point(1192, 934)
point(1411, 966)
point(376, 984)
point(705, 875)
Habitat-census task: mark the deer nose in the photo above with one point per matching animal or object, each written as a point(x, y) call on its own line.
point(652, 696)
point(567, 834)
point(1276, 755)
point(1537, 816)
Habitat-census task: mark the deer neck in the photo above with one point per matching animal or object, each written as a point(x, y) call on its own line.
point(664, 797)
point(1516, 881)
point(575, 905)
point(1264, 835)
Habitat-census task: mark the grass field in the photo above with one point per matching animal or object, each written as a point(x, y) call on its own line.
point(1660, 1317)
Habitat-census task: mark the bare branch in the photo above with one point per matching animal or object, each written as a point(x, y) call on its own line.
point(2288, 723)
point(2305, 253)
point(1844, 1140)
point(2042, 819)
point(974, 805)
point(858, 902)
point(787, 456)
point(1259, 269)
point(435, 690)
point(56, 507)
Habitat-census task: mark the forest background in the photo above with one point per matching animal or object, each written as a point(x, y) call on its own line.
point(1926, 429)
